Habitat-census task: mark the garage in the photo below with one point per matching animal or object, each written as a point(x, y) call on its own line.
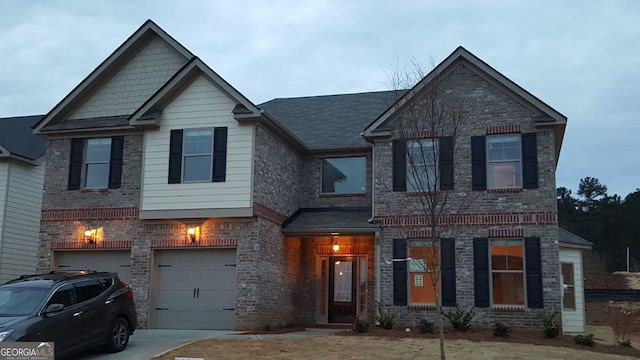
point(194, 289)
point(118, 261)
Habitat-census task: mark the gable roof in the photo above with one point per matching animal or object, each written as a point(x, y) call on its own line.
point(331, 121)
point(147, 113)
point(102, 73)
point(549, 116)
point(17, 139)
point(570, 239)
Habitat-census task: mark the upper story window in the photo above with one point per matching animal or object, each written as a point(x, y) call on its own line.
point(346, 175)
point(508, 161)
point(504, 161)
point(198, 155)
point(97, 159)
point(96, 163)
point(423, 165)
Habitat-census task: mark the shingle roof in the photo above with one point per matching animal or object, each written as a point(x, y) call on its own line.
point(16, 135)
point(570, 238)
point(331, 121)
point(309, 220)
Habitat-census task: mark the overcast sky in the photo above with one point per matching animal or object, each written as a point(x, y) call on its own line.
point(580, 57)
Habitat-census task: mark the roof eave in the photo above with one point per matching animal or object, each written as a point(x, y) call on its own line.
point(106, 65)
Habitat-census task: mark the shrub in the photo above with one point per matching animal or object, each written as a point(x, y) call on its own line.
point(459, 318)
point(624, 343)
point(384, 317)
point(501, 330)
point(586, 340)
point(551, 328)
point(359, 326)
point(426, 326)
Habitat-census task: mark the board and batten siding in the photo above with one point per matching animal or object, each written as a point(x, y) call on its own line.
point(20, 222)
point(201, 105)
point(573, 321)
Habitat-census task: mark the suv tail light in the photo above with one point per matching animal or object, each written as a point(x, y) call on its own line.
point(130, 294)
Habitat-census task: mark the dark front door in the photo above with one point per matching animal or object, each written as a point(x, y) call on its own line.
point(342, 289)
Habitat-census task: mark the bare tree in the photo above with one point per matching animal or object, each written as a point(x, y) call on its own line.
point(426, 124)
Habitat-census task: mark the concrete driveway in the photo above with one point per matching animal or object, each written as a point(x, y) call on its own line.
point(145, 344)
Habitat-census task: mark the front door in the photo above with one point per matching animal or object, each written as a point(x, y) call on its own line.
point(342, 289)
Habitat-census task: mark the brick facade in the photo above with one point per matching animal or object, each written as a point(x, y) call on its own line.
point(476, 214)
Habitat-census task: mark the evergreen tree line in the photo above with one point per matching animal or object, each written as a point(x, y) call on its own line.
point(611, 223)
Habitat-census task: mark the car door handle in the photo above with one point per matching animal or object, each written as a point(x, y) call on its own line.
point(77, 314)
point(108, 302)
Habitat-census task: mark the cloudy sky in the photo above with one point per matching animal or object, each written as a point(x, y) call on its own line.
point(582, 57)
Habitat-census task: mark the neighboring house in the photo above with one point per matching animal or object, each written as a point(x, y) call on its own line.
point(21, 177)
point(572, 279)
point(225, 214)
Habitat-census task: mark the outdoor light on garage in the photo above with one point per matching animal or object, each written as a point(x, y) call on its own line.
point(336, 247)
point(90, 235)
point(193, 233)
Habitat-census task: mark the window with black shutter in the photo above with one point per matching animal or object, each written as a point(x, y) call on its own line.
point(96, 163)
point(197, 155)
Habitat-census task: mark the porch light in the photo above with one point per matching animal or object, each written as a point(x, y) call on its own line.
point(193, 233)
point(336, 247)
point(90, 235)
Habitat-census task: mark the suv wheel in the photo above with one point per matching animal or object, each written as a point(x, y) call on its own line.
point(117, 335)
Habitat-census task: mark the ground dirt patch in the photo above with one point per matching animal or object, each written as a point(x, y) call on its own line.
point(399, 344)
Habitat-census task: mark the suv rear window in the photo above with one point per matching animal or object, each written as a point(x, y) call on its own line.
point(89, 289)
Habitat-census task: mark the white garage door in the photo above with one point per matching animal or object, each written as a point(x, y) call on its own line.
point(103, 260)
point(194, 289)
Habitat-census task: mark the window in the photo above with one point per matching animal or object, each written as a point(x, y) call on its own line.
point(347, 175)
point(64, 295)
point(568, 285)
point(97, 163)
point(89, 289)
point(504, 166)
point(507, 272)
point(504, 161)
point(423, 165)
point(197, 155)
point(424, 259)
point(422, 162)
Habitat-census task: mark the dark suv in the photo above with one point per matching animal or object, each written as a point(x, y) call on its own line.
point(76, 310)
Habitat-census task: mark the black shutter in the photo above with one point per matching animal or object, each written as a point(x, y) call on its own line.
point(534, 272)
point(446, 163)
point(115, 163)
point(481, 272)
point(400, 293)
point(448, 271)
point(399, 165)
point(529, 161)
point(478, 163)
point(175, 157)
point(75, 164)
point(219, 154)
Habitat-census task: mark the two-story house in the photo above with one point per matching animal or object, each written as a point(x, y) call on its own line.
point(222, 213)
point(21, 178)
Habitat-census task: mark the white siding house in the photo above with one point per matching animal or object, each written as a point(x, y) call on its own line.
point(21, 179)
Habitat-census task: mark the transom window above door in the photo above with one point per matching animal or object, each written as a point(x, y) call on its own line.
point(346, 175)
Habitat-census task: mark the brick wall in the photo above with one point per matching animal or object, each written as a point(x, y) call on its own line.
point(526, 212)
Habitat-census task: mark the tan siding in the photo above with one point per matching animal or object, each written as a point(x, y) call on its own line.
point(200, 105)
point(134, 83)
point(22, 220)
point(4, 176)
point(573, 321)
